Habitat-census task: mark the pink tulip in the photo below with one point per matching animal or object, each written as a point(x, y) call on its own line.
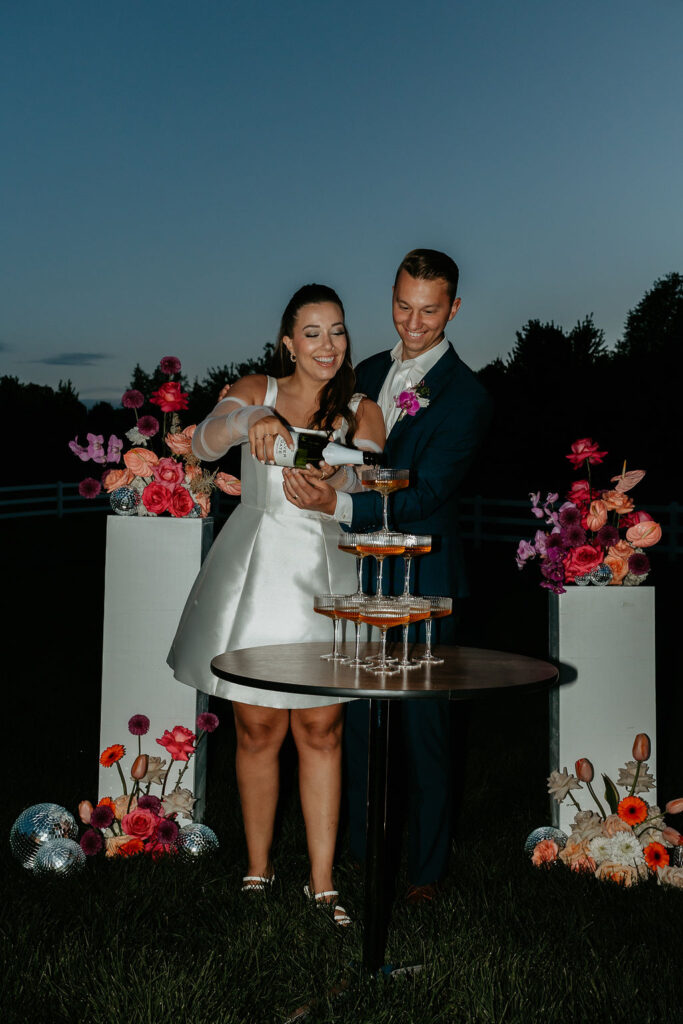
point(644, 535)
point(85, 811)
point(641, 747)
point(140, 765)
point(674, 806)
point(672, 835)
point(584, 770)
point(596, 516)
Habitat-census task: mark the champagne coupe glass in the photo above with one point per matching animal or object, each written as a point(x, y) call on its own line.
point(415, 544)
point(380, 545)
point(385, 612)
point(386, 481)
point(350, 608)
point(349, 543)
point(418, 609)
point(438, 608)
point(326, 604)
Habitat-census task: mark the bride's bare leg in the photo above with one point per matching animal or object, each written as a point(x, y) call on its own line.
point(260, 734)
point(318, 733)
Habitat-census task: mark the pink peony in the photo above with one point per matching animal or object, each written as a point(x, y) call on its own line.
point(585, 450)
point(179, 743)
point(132, 399)
point(89, 488)
point(169, 397)
point(170, 365)
point(156, 498)
point(168, 472)
point(228, 484)
point(181, 443)
point(645, 534)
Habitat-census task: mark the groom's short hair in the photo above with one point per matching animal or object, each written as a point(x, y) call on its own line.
point(431, 265)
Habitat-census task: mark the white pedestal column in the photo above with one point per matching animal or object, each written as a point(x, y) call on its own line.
point(151, 563)
point(606, 635)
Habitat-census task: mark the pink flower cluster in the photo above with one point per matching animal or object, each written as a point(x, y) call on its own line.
point(584, 531)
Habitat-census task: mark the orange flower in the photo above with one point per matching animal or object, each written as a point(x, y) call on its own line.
point(228, 484)
point(622, 549)
point(545, 852)
point(114, 478)
point(619, 567)
point(632, 810)
point(193, 472)
point(622, 874)
point(641, 747)
point(111, 755)
point(121, 805)
point(181, 443)
point(130, 848)
point(107, 801)
point(121, 846)
point(140, 461)
point(656, 856)
point(617, 501)
point(644, 535)
point(204, 502)
point(596, 517)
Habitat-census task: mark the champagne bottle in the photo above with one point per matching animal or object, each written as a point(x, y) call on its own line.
point(312, 446)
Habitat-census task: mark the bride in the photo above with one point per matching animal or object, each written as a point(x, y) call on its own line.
point(257, 584)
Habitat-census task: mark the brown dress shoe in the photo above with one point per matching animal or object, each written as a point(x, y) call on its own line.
point(419, 894)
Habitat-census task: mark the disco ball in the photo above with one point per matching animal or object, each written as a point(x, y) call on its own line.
point(583, 580)
point(59, 857)
point(124, 501)
point(601, 575)
point(676, 856)
point(545, 832)
point(37, 825)
point(195, 840)
point(195, 512)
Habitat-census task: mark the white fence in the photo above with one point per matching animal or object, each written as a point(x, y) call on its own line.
point(483, 520)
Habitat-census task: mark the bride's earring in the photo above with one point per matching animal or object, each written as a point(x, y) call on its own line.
point(292, 356)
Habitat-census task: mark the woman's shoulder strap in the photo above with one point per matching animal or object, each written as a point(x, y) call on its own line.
point(355, 401)
point(271, 392)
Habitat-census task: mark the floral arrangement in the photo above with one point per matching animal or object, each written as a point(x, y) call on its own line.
point(152, 483)
point(583, 542)
point(140, 821)
point(628, 845)
point(412, 400)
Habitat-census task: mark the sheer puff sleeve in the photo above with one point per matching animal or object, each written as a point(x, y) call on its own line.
point(227, 425)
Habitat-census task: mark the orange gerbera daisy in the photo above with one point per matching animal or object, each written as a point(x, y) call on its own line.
point(632, 810)
point(130, 848)
point(656, 856)
point(111, 755)
point(107, 801)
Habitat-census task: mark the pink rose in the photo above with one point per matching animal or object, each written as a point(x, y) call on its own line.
point(617, 501)
point(140, 461)
point(181, 502)
point(228, 484)
point(140, 823)
point(179, 743)
point(596, 516)
point(579, 493)
point(169, 397)
point(156, 498)
point(581, 560)
point(181, 443)
point(585, 450)
point(644, 535)
point(636, 517)
point(168, 472)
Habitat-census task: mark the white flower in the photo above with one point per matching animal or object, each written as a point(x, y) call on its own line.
point(626, 848)
point(560, 783)
point(135, 437)
point(601, 849)
point(650, 835)
point(180, 801)
point(670, 876)
point(628, 773)
point(587, 825)
point(155, 770)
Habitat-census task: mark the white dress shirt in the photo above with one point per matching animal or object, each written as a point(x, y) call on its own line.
point(403, 374)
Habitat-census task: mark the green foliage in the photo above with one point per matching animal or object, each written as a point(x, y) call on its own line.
point(655, 326)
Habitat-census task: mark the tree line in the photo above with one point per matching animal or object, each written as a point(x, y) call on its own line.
point(553, 387)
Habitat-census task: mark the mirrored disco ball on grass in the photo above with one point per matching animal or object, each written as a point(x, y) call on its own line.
point(59, 857)
point(124, 501)
point(195, 840)
point(37, 825)
point(545, 832)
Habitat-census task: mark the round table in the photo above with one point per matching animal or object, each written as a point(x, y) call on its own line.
point(467, 672)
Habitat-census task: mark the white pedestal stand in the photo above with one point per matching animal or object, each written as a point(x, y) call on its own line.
point(151, 563)
point(607, 636)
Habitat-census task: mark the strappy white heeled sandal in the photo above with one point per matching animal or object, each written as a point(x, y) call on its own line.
point(257, 883)
point(326, 899)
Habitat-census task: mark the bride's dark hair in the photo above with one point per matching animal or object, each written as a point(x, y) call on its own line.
point(335, 396)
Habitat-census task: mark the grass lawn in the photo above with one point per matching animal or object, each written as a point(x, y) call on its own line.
point(173, 942)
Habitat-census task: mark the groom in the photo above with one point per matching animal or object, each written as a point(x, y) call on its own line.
point(436, 441)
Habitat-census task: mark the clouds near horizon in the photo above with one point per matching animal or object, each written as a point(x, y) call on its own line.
point(72, 359)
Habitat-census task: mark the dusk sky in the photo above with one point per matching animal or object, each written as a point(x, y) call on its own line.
point(172, 172)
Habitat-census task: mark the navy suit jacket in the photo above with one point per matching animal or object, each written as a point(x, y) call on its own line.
point(437, 446)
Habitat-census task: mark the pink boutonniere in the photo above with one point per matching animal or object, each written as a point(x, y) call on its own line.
point(412, 400)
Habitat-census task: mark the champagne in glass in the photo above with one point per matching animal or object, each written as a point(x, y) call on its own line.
point(326, 604)
point(350, 608)
point(386, 481)
point(418, 610)
point(380, 545)
point(415, 544)
point(350, 544)
point(384, 613)
point(439, 607)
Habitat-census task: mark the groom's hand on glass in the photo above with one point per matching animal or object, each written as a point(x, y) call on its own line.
point(306, 489)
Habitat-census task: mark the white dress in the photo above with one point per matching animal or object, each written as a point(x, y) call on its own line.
point(257, 584)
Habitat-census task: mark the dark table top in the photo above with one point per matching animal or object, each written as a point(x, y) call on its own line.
point(467, 672)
